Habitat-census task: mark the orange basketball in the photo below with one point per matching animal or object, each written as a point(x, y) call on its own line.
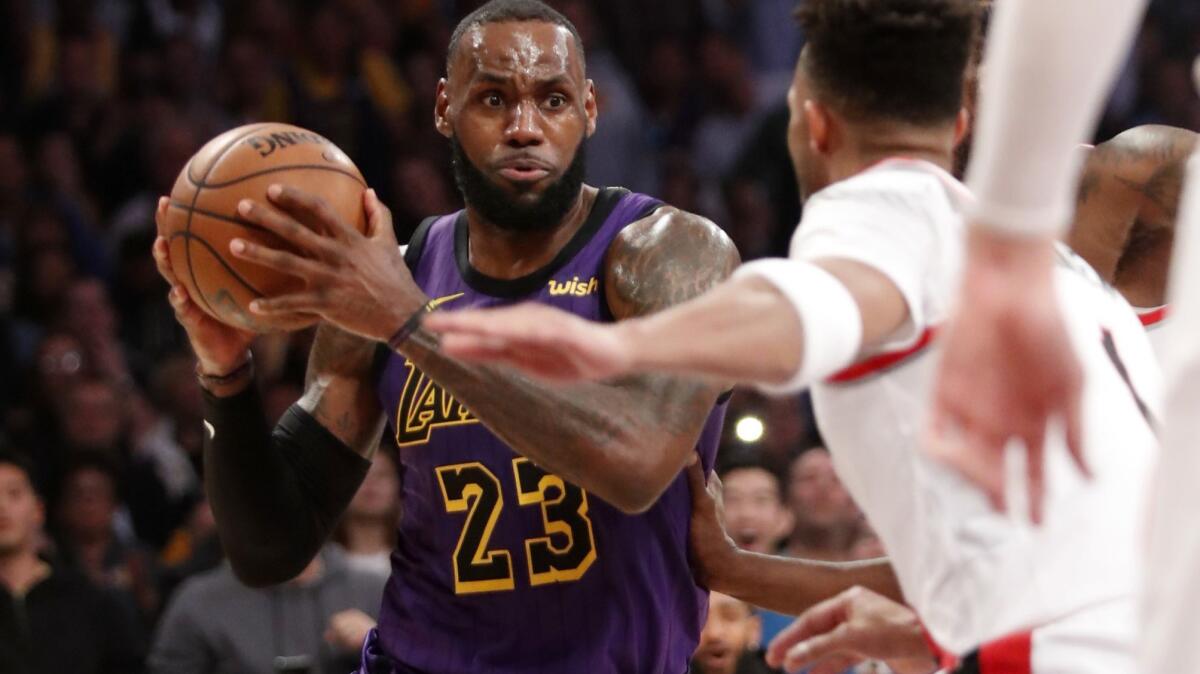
point(238, 164)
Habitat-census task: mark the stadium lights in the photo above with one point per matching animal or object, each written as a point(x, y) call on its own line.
point(749, 429)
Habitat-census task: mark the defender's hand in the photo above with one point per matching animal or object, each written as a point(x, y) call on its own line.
point(713, 552)
point(543, 341)
point(855, 625)
point(220, 348)
point(1007, 369)
point(356, 281)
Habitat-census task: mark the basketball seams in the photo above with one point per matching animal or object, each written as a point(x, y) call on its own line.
point(276, 169)
point(187, 243)
point(219, 216)
point(188, 237)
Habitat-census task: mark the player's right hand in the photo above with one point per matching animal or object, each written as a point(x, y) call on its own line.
point(855, 625)
point(713, 552)
point(220, 348)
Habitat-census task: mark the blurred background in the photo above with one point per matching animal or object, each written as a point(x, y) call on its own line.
point(101, 104)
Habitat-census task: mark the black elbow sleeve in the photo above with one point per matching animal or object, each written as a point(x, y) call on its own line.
point(276, 496)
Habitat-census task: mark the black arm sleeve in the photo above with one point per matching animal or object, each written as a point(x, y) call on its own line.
point(276, 496)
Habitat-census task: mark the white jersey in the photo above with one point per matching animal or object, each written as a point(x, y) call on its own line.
point(971, 573)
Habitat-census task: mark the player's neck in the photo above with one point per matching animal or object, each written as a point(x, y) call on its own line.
point(869, 149)
point(21, 570)
point(506, 254)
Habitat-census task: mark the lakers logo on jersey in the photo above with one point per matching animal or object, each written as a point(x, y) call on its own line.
point(424, 405)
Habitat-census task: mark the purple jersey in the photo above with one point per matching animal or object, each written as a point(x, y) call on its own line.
point(500, 566)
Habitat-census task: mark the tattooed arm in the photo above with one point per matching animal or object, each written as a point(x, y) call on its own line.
point(1125, 219)
point(624, 441)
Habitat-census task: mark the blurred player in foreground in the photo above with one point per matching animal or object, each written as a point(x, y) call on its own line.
point(875, 118)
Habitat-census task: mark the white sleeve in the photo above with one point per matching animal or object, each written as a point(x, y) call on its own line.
point(885, 221)
point(1048, 69)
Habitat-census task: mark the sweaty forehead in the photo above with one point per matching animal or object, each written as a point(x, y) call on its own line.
point(528, 49)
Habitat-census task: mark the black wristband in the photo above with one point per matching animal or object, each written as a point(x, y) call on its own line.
point(410, 326)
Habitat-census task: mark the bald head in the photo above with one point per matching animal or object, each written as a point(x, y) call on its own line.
point(509, 11)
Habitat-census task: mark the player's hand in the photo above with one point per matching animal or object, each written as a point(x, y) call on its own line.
point(348, 630)
point(855, 625)
point(713, 552)
point(356, 281)
point(220, 348)
point(1008, 367)
point(543, 341)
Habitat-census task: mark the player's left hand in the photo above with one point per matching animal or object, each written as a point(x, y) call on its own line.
point(356, 281)
point(545, 342)
point(854, 626)
point(713, 552)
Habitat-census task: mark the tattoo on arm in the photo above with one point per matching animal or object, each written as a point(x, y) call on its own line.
point(339, 389)
point(623, 440)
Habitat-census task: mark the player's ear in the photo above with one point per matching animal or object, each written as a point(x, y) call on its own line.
point(819, 126)
point(962, 125)
point(441, 108)
point(590, 108)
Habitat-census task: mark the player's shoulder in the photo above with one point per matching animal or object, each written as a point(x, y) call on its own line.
point(668, 228)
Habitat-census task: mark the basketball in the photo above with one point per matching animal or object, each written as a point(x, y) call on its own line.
point(202, 217)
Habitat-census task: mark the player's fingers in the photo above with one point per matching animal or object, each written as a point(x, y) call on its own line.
point(279, 260)
point(699, 490)
point(1035, 470)
point(818, 647)
point(309, 209)
point(1073, 426)
point(160, 213)
point(956, 440)
point(186, 312)
point(285, 227)
point(836, 664)
point(296, 303)
point(379, 216)
point(162, 260)
point(821, 618)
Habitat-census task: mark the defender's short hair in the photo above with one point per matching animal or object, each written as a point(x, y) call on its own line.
point(504, 11)
point(901, 60)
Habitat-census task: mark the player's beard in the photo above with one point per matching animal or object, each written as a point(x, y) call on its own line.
point(502, 209)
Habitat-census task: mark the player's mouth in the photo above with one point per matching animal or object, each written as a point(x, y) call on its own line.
point(524, 170)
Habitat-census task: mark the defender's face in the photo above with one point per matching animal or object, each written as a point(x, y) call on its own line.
point(518, 103)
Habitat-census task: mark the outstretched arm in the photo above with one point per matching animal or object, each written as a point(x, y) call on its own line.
point(748, 329)
point(625, 441)
point(781, 584)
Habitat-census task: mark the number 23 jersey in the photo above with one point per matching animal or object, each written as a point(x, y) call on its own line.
point(501, 566)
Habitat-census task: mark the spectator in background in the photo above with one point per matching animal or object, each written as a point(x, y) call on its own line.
point(93, 541)
point(827, 522)
point(214, 624)
point(731, 641)
point(51, 619)
point(367, 532)
point(191, 549)
point(755, 516)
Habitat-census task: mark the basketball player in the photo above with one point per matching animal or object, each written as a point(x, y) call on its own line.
point(875, 117)
point(544, 528)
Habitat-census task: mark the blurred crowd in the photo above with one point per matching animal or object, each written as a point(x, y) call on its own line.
point(101, 104)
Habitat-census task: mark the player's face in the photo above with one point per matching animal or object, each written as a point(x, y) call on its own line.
point(811, 172)
point(754, 513)
point(20, 511)
point(731, 630)
point(517, 109)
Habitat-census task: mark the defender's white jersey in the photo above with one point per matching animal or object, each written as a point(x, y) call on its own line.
point(974, 574)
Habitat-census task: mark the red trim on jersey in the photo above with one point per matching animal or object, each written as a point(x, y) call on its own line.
point(1010, 655)
point(1152, 318)
point(882, 361)
point(945, 659)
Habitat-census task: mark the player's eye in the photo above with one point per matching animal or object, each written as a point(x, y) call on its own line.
point(556, 101)
point(493, 99)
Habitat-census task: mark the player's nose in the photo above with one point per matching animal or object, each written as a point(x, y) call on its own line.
point(525, 126)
